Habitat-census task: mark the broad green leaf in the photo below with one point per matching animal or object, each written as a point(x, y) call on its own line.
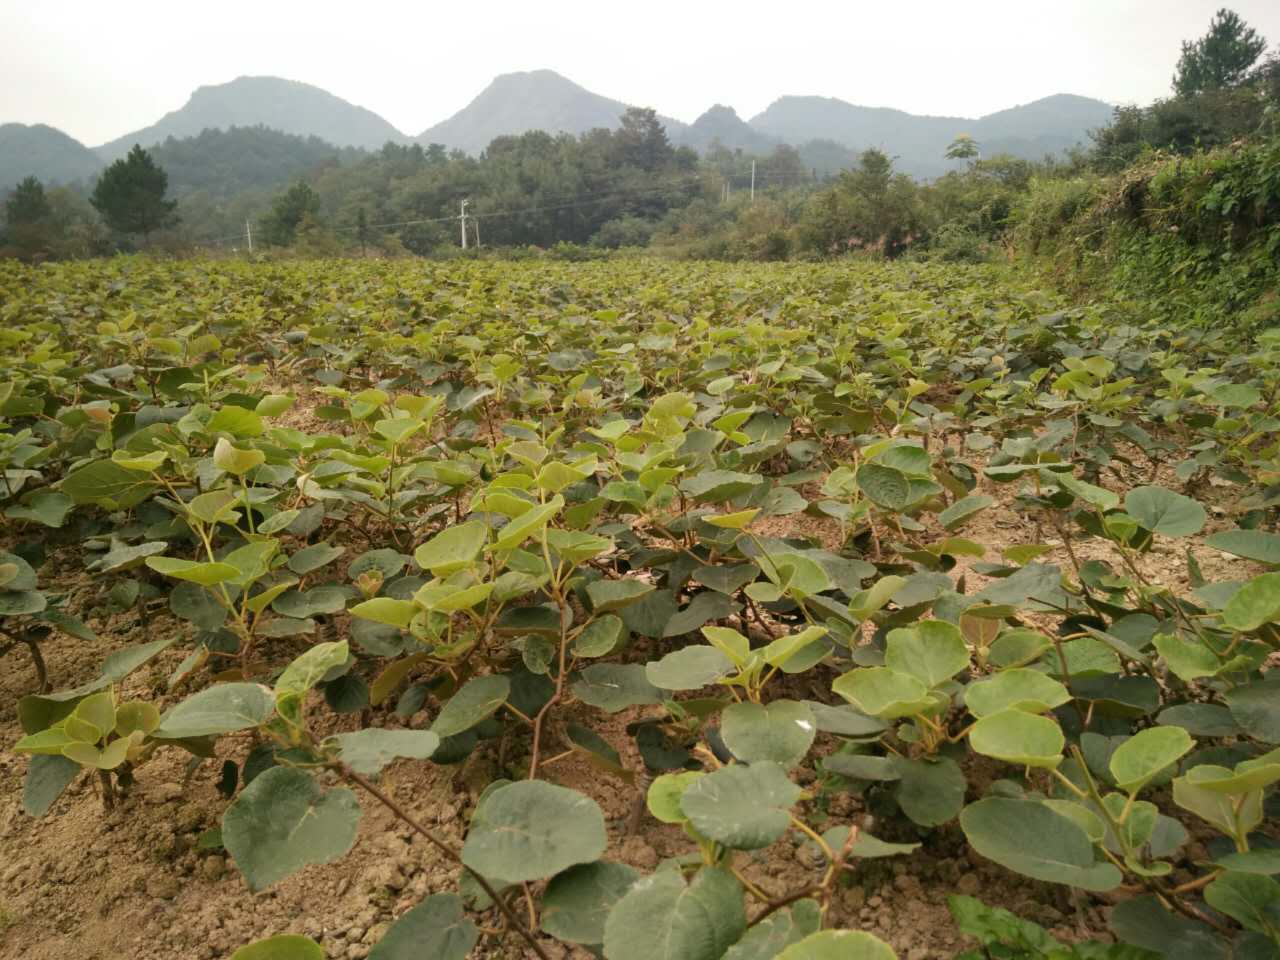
point(615, 686)
point(1031, 839)
point(1247, 776)
point(884, 486)
point(453, 549)
point(866, 602)
point(531, 830)
point(395, 613)
point(663, 796)
point(136, 715)
point(205, 574)
point(690, 668)
point(662, 918)
point(839, 945)
point(309, 669)
point(283, 821)
point(766, 939)
point(729, 642)
point(438, 928)
point(1265, 861)
point(742, 807)
point(1095, 496)
point(398, 430)
point(312, 558)
point(327, 598)
point(865, 846)
point(47, 776)
point(234, 460)
point(606, 595)
point(1017, 688)
point(285, 946)
point(931, 792)
point(575, 546)
point(1256, 708)
point(931, 651)
point(107, 483)
point(577, 902)
point(733, 521)
point(1229, 814)
point(1165, 512)
point(273, 404)
point(528, 524)
point(122, 557)
point(237, 421)
point(1248, 898)
point(717, 486)
point(1189, 659)
point(963, 510)
point(477, 699)
point(1250, 544)
point(882, 692)
point(18, 602)
point(1254, 604)
point(368, 751)
point(218, 709)
point(601, 636)
point(781, 651)
point(1147, 754)
point(1016, 736)
point(47, 507)
point(780, 732)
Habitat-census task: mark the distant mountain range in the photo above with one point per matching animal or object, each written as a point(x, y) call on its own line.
point(544, 100)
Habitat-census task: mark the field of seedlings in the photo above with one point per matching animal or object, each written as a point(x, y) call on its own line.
point(633, 610)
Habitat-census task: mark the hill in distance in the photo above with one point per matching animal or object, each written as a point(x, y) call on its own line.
point(515, 103)
point(1045, 126)
point(220, 164)
point(722, 124)
point(44, 152)
point(284, 105)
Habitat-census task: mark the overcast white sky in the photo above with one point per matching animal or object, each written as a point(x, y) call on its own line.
point(99, 70)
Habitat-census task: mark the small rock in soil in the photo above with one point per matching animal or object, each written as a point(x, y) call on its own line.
point(638, 853)
point(162, 886)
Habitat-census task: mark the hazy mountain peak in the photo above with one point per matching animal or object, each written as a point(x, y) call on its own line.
point(45, 152)
point(514, 103)
point(289, 106)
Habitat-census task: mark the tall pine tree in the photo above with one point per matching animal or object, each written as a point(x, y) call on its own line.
point(1221, 58)
point(130, 195)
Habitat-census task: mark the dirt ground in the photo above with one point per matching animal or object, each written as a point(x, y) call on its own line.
point(91, 885)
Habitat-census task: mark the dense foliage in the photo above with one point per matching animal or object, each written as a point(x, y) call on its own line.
point(526, 497)
point(131, 195)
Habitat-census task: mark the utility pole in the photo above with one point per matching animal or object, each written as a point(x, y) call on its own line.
point(462, 219)
point(753, 181)
point(476, 218)
point(248, 232)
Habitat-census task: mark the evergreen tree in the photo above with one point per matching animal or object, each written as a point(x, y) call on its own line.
point(27, 203)
point(1221, 58)
point(29, 221)
point(288, 210)
point(130, 195)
